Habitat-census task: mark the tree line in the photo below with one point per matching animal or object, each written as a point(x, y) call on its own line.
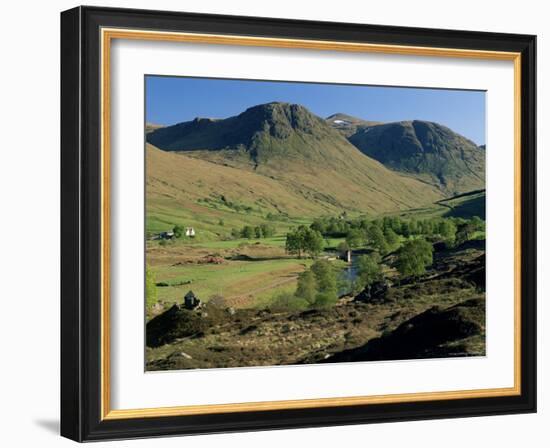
point(386, 234)
point(251, 232)
point(383, 235)
point(410, 240)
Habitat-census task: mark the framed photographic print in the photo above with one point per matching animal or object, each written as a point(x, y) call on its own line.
point(276, 224)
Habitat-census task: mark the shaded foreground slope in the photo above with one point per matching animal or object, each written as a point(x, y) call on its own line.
point(437, 332)
point(439, 315)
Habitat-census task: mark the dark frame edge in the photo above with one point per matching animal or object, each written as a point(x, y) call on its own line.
point(71, 380)
point(529, 222)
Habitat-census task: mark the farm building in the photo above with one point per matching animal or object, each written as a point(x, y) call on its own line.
point(346, 256)
point(190, 232)
point(165, 236)
point(191, 301)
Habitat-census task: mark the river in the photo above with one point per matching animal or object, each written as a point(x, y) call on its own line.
point(348, 275)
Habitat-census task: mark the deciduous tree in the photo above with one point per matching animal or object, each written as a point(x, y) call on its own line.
point(150, 287)
point(304, 239)
point(414, 257)
point(178, 231)
point(368, 270)
point(355, 238)
point(307, 286)
point(248, 232)
point(325, 277)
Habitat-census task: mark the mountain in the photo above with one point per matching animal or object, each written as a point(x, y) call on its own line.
point(261, 134)
point(429, 151)
point(150, 127)
point(348, 125)
point(298, 150)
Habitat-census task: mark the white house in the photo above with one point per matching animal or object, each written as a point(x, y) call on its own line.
point(190, 232)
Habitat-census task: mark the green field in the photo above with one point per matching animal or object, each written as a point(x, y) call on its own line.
point(232, 280)
point(251, 272)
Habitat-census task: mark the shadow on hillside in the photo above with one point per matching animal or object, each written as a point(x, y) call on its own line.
point(468, 209)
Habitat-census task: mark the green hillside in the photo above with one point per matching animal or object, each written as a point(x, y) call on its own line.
point(305, 166)
point(214, 198)
point(426, 150)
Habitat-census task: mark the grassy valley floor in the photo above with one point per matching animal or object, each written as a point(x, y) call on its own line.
point(246, 273)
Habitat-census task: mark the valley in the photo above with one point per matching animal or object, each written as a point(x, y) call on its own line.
point(256, 216)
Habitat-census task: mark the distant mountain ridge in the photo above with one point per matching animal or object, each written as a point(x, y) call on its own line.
point(301, 151)
point(401, 164)
point(427, 150)
point(243, 131)
point(348, 124)
point(272, 133)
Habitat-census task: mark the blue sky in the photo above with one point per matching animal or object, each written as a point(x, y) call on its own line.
point(171, 100)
